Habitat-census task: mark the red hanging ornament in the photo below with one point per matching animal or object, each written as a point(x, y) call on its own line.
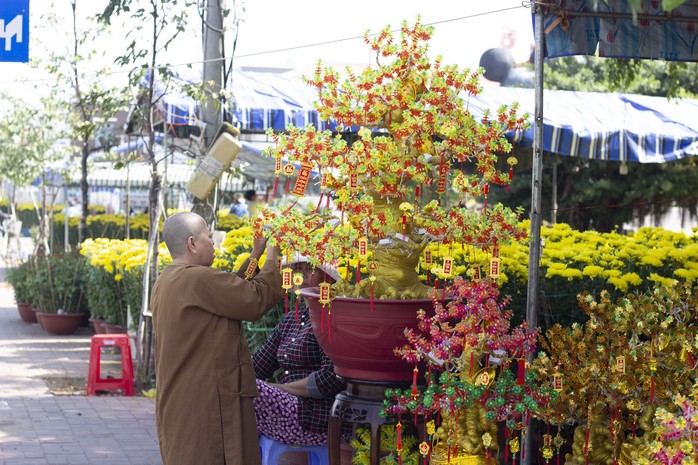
point(319, 203)
point(276, 186)
point(415, 372)
point(521, 372)
point(329, 325)
point(506, 445)
point(297, 307)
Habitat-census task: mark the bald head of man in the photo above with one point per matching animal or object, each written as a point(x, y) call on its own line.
point(188, 239)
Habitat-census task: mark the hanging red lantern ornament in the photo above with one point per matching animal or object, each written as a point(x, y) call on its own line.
point(494, 268)
point(353, 181)
point(286, 284)
point(557, 381)
point(427, 264)
point(448, 266)
point(288, 171)
point(325, 298)
point(302, 181)
point(477, 273)
point(278, 165)
point(511, 161)
point(251, 268)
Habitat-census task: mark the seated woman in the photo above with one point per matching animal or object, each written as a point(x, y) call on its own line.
point(296, 410)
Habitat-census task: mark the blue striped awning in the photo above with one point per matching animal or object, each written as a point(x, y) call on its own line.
point(600, 126)
point(273, 100)
point(603, 126)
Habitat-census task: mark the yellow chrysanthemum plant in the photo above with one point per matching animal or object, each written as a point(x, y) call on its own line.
point(396, 168)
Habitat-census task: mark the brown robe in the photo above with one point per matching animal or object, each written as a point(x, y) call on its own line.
point(204, 375)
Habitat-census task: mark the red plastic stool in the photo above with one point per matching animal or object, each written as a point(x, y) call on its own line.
point(94, 381)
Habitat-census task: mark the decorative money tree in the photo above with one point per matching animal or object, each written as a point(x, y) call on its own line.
point(397, 168)
point(630, 357)
point(477, 377)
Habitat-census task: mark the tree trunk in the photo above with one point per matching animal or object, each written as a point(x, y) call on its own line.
point(213, 67)
point(394, 264)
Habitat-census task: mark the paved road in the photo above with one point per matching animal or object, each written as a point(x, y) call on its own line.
point(40, 428)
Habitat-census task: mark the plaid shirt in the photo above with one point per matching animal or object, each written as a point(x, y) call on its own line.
point(292, 346)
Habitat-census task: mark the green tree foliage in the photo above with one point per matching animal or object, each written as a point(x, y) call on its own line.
point(94, 102)
point(669, 79)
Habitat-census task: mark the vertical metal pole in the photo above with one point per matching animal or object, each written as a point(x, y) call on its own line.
point(553, 215)
point(534, 251)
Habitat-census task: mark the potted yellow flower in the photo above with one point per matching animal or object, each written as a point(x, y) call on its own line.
point(405, 155)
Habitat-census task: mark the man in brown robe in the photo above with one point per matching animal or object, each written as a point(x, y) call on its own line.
point(204, 375)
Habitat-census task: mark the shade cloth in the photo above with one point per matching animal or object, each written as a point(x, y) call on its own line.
point(568, 33)
point(604, 126)
point(600, 126)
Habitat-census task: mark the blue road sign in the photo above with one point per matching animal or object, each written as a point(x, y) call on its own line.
point(14, 30)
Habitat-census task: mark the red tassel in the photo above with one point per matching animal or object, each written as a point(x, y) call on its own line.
point(322, 319)
point(414, 382)
point(319, 202)
point(358, 272)
point(651, 389)
point(511, 176)
point(371, 297)
point(286, 303)
point(472, 363)
point(276, 185)
point(328, 201)
point(506, 445)
point(288, 186)
point(398, 427)
point(329, 325)
point(586, 446)
point(522, 372)
point(436, 284)
point(297, 309)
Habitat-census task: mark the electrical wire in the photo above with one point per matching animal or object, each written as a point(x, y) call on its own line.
point(281, 50)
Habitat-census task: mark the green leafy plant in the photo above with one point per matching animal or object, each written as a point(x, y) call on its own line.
point(59, 282)
point(18, 278)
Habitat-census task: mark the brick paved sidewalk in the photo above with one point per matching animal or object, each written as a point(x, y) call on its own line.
point(39, 428)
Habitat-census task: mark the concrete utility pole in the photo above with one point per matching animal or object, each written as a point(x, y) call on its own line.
point(213, 67)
